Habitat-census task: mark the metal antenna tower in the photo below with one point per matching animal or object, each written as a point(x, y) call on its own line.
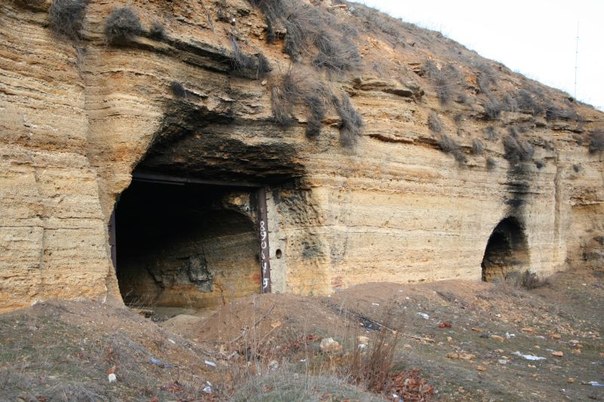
point(576, 60)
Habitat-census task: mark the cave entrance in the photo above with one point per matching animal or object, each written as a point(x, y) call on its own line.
point(185, 243)
point(506, 251)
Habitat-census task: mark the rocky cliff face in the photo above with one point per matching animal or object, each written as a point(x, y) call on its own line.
point(383, 152)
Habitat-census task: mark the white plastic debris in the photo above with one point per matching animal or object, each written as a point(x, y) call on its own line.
point(208, 388)
point(595, 384)
point(209, 363)
point(111, 377)
point(171, 341)
point(528, 357)
point(375, 304)
point(424, 316)
point(509, 336)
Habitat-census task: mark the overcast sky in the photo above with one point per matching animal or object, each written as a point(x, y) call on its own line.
point(537, 38)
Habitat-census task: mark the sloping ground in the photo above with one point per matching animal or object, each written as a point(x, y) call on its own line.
point(462, 336)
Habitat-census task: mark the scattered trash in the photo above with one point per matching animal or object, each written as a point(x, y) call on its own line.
point(445, 324)
point(209, 363)
point(328, 345)
point(273, 365)
point(171, 341)
point(375, 304)
point(529, 357)
point(159, 363)
point(424, 316)
point(509, 336)
point(111, 377)
point(593, 384)
point(208, 388)
point(503, 361)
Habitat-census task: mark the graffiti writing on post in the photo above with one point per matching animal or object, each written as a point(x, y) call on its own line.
point(264, 248)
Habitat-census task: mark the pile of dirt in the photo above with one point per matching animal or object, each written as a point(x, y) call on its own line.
point(452, 340)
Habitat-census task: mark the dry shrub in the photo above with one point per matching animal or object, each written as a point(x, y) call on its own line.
point(528, 103)
point(434, 123)
point(449, 146)
point(122, 26)
point(157, 31)
point(445, 80)
point(596, 142)
point(298, 87)
point(477, 147)
point(491, 163)
point(66, 17)
point(351, 124)
point(527, 280)
point(371, 368)
point(256, 66)
point(311, 32)
point(517, 150)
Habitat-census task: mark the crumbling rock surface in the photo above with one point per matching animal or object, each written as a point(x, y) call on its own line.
point(192, 101)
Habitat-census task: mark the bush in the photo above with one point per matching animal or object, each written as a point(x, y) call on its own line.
point(449, 146)
point(490, 133)
point(157, 31)
point(529, 281)
point(244, 65)
point(178, 89)
point(434, 123)
point(311, 31)
point(491, 163)
point(527, 103)
point(445, 80)
point(67, 17)
point(351, 124)
point(596, 142)
point(477, 147)
point(517, 150)
point(122, 26)
point(492, 109)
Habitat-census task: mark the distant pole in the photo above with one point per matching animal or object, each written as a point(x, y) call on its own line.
point(576, 60)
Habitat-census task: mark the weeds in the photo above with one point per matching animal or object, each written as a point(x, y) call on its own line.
point(492, 109)
point(351, 124)
point(596, 142)
point(491, 163)
point(311, 31)
point(445, 80)
point(67, 17)
point(178, 89)
point(248, 66)
point(157, 31)
point(517, 150)
point(434, 123)
point(449, 146)
point(490, 133)
point(122, 26)
point(527, 103)
point(529, 281)
point(477, 147)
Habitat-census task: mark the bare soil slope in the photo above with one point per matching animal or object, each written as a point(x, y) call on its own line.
point(453, 341)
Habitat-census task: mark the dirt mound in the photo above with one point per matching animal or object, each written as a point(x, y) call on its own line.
point(451, 340)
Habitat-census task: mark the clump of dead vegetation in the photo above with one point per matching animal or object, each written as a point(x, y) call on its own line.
point(596, 142)
point(445, 80)
point(256, 66)
point(298, 88)
point(122, 26)
point(66, 17)
point(311, 33)
point(517, 149)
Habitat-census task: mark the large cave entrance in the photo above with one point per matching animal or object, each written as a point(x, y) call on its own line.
point(185, 244)
point(506, 251)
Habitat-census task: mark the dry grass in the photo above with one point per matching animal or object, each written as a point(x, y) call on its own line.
point(122, 26)
point(66, 17)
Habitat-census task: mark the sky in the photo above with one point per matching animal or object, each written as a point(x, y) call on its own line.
point(537, 38)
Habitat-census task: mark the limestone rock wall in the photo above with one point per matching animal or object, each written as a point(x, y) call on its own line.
point(77, 117)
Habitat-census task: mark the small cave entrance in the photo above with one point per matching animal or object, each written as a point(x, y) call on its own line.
point(506, 251)
point(183, 244)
